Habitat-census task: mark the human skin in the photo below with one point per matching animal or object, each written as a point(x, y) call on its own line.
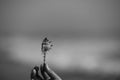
point(46, 73)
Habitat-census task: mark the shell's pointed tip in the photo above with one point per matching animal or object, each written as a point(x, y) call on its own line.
point(45, 39)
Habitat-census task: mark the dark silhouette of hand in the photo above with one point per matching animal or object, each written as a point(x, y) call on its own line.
point(46, 73)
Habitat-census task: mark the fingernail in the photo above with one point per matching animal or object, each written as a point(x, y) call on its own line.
point(47, 67)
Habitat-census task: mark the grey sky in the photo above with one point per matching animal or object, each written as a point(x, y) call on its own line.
point(65, 22)
point(60, 17)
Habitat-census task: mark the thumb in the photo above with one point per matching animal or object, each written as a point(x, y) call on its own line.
point(51, 73)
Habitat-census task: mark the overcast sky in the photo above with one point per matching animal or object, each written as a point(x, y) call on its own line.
point(73, 25)
point(60, 17)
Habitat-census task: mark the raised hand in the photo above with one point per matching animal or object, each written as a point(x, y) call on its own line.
point(46, 73)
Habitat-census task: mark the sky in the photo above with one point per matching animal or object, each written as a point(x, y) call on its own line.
point(85, 34)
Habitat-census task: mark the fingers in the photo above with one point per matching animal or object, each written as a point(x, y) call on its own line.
point(44, 75)
point(34, 74)
point(51, 73)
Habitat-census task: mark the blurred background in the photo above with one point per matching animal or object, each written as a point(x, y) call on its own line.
point(85, 34)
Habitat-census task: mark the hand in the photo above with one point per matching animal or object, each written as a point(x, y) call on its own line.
point(46, 73)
